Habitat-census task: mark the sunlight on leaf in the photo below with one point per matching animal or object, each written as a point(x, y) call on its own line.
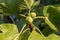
point(9, 31)
point(35, 36)
point(53, 37)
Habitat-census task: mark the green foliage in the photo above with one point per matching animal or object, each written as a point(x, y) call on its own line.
point(52, 17)
point(29, 3)
point(33, 22)
point(8, 31)
point(53, 36)
point(35, 36)
point(11, 6)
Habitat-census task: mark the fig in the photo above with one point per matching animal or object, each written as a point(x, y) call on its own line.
point(29, 19)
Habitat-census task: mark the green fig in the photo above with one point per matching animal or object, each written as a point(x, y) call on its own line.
point(33, 14)
point(29, 19)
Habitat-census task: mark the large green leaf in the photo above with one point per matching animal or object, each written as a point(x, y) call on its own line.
point(53, 37)
point(8, 31)
point(1, 1)
point(5, 9)
point(11, 6)
point(52, 17)
point(47, 31)
point(35, 36)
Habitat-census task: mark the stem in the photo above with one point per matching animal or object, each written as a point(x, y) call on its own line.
point(29, 12)
point(22, 15)
point(12, 19)
point(38, 30)
point(51, 25)
point(20, 32)
point(22, 29)
point(25, 30)
point(39, 17)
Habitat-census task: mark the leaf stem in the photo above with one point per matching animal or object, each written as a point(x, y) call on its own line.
point(22, 29)
point(22, 15)
point(39, 17)
point(20, 32)
point(25, 30)
point(12, 19)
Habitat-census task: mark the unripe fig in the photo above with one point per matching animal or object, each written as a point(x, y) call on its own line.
point(29, 19)
point(33, 14)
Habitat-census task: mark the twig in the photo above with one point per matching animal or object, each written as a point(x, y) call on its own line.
point(22, 15)
point(39, 17)
point(12, 19)
point(22, 29)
